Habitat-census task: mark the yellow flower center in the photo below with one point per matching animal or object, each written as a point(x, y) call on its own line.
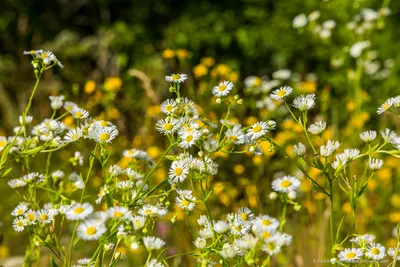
point(266, 222)
point(78, 210)
point(178, 171)
point(176, 77)
point(233, 137)
point(74, 137)
point(20, 223)
point(257, 129)
point(147, 212)
point(266, 235)
point(138, 223)
point(104, 123)
point(271, 246)
point(169, 108)
point(44, 55)
point(78, 114)
point(244, 216)
point(104, 136)
point(118, 214)
point(189, 138)
point(43, 217)
point(31, 216)
point(222, 88)
point(386, 106)
point(286, 183)
point(351, 255)
point(185, 203)
point(91, 230)
point(281, 93)
point(375, 251)
point(3, 143)
point(19, 212)
point(168, 126)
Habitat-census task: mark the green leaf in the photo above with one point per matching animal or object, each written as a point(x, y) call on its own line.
point(6, 172)
point(338, 230)
point(362, 190)
point(52, 262)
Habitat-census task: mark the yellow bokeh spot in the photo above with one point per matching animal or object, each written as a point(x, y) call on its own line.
point(168, 53)
point(239, 169)
point(112, 84)
point(346, 208)
point(90, 86)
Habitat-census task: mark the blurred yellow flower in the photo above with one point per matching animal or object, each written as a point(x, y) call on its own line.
point(113, 113)
point(154, 152)
point(90, 86)
point(168, 53)
point(394, 217)
point(223, 69)
point(182, 53)
point(4, 251)
point(200, 70)
point(208, 61)
point(395, 200)
point(308, 87)
point(257, 160)
point(250, 120)
point(350, 105)
point(239, 169)
point(112, 84)
point(384, 175)
point(233, 77)
point(346, 208)
point(153, 111)
point(69, 121)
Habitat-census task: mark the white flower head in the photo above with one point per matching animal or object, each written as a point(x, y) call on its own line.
point(286, 184)
point(317, 127)
point(56, 101)
point(299, 149)
point(375, 164)
point(304, 103)
point(368, 136)
point(176, 78)
point(375, 251)
point(222, 89)
point(300, 21)
point(152, 243)
point(257, 130)
point(79, 211)
point(350, 254)
point(281, 92)
point(91, 229)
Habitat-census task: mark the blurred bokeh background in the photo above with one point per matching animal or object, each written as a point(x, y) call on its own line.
point(116, 54)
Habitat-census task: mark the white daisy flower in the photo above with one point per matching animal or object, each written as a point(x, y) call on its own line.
point(46, 56)
point(328, 149)
point(375, 251)
point(265, 223)
point(148, 210)
point(350, 254)
point(392, 252)
point(19, 224)
point(246, 242)
point(286, 184)
point(178, 171)
point(31, 216)
point(79, 211)
point(104, 135)
point(152, 243)
point(368, 136)
point(245, 214)
point(44, 216)
point(20, 209)
point(176, 78)
point(138, 222)
point(119, 213)
point(257, 130)
point(228, 251)
point(56, 101)
point(236, 135)
point(281, 92)
point(91, 229)
point(389, 136)
point(375, 164)
point(168, 106)
point(200, 242)
point(299, 149)
point(385, 106)
point(221, 227)
point(28, 120)
point(73, 135)
point(167, 126)
point(185, 200)
point(69, 106)
point(299, 21)
point(317, 127)
point(304, 103)
point(222, 89)
point(363, 239)
point(3, 142)
point(79, 113)
point(189, 138)
point(272, 246)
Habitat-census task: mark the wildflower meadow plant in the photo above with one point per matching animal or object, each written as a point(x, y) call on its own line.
point(56, 203)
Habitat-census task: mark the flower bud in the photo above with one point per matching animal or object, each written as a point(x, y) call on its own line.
point(273, 196)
